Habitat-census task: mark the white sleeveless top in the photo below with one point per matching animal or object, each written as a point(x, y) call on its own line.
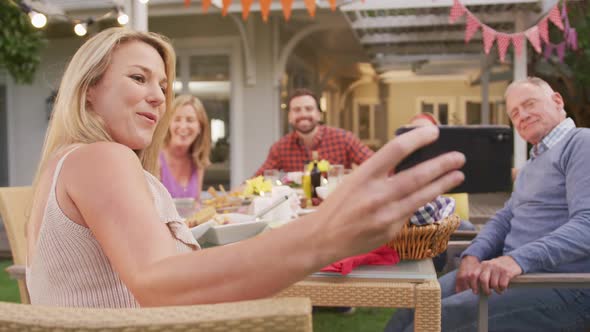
point(69, 268)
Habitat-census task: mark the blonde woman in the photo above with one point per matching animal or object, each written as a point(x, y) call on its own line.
point(187, 146)
point(104, 232)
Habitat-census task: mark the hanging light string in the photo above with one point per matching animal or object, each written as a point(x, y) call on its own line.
point(39, 19)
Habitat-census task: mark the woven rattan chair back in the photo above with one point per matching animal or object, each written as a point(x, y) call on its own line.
point(277, 314)
point(14, 205)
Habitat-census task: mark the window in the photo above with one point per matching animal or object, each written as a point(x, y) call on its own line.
point(440, 107)
point(363, 123)
point(472, 113)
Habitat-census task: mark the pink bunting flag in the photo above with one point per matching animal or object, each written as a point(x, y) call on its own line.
point(489, 35)
point(503, 43)
point(544, 30)
point(456, 11)
point(517, 42)
point(555, 17)
point(532, 34)
point(472, 27)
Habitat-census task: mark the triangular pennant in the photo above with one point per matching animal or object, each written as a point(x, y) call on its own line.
point(456, 11)
point(489, 35)
point(265, 9)
point(225, 6)
point(561, 51)
point(555, 17)
point(287, 4)
point(532, 34)
point(310, 4)
point(333, 5)
point(205, 5)
point(471, 28)
point(503, 43)
point(517, 41)
point(544, 30)
point(187, 3)
point(246, 4)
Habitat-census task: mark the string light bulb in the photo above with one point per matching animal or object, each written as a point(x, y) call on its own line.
point(81, 29)
point(38, 20)
point(122, 18)
point(144, 1)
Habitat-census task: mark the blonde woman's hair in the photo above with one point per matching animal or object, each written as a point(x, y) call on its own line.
point(200, 149)
point(72, 123)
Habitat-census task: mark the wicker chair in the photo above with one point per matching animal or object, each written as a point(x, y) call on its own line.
point(531, 280)
point(14, 203)
point(285, 314)
point(280, 314)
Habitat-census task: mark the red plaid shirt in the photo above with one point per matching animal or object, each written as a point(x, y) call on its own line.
point(336, 145)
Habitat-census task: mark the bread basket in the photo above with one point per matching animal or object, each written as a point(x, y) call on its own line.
point(420, 242)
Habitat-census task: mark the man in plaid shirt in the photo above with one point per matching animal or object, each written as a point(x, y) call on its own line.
point(293, 150)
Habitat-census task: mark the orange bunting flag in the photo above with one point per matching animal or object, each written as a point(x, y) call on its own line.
point(310, 4)
point(205, 5)
point(225, 4)
point(187, 3)
point(265, 9)
point(287, 4)
point(246, 8)
point(333, 5)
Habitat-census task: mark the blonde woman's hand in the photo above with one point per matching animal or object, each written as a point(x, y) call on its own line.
point(370, 207)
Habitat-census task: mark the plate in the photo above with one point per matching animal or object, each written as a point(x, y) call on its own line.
point(303, 212)
point(241, 227)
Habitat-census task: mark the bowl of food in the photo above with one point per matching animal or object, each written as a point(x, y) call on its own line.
point(228, 228)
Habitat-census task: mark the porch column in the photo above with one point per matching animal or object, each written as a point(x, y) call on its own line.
point(485, 90)
point(138, 17)
point(520, 73)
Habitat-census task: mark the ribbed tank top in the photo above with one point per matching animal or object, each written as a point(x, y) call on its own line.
point(69, 268)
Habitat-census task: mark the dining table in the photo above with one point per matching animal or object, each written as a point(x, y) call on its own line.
point(408, 284)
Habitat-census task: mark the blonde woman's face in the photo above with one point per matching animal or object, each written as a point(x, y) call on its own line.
point(130, 96)
point(184, 127)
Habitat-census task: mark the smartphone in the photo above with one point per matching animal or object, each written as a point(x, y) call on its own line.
point(488, 154)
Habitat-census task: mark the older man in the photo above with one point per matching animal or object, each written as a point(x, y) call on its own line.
point(336, 145)
point(544, 227)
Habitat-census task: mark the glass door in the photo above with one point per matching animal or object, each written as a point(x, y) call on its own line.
point(207, 77)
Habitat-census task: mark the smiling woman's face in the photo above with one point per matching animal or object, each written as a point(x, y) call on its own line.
point(130, 95)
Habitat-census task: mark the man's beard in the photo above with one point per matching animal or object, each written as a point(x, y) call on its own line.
point(307, 131)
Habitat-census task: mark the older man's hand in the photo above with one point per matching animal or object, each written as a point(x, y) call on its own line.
point(468, 274)
point(497, 273)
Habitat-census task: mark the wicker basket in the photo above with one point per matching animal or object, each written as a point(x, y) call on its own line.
point(419, 242)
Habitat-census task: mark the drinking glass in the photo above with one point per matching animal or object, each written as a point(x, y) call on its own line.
point(273, 175)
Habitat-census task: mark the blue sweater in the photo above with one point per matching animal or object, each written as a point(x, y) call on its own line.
point(545, 225)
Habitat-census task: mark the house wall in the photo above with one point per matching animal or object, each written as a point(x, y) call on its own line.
point(27, 115)
point(255, 107)
point(403, 96)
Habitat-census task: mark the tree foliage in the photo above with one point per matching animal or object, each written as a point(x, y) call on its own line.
point(571, 78)
point(20, 43)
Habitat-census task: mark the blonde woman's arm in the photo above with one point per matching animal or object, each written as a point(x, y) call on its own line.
point(107, 184)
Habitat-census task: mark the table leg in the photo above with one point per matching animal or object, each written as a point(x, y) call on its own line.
point(427, 310)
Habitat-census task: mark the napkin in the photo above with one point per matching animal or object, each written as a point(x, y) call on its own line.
point(383, 255)
point(434, 211)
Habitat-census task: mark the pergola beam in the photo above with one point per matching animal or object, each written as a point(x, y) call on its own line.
point(426, 48)
point(412, 21)
point(433, 36)
point(403, 4)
